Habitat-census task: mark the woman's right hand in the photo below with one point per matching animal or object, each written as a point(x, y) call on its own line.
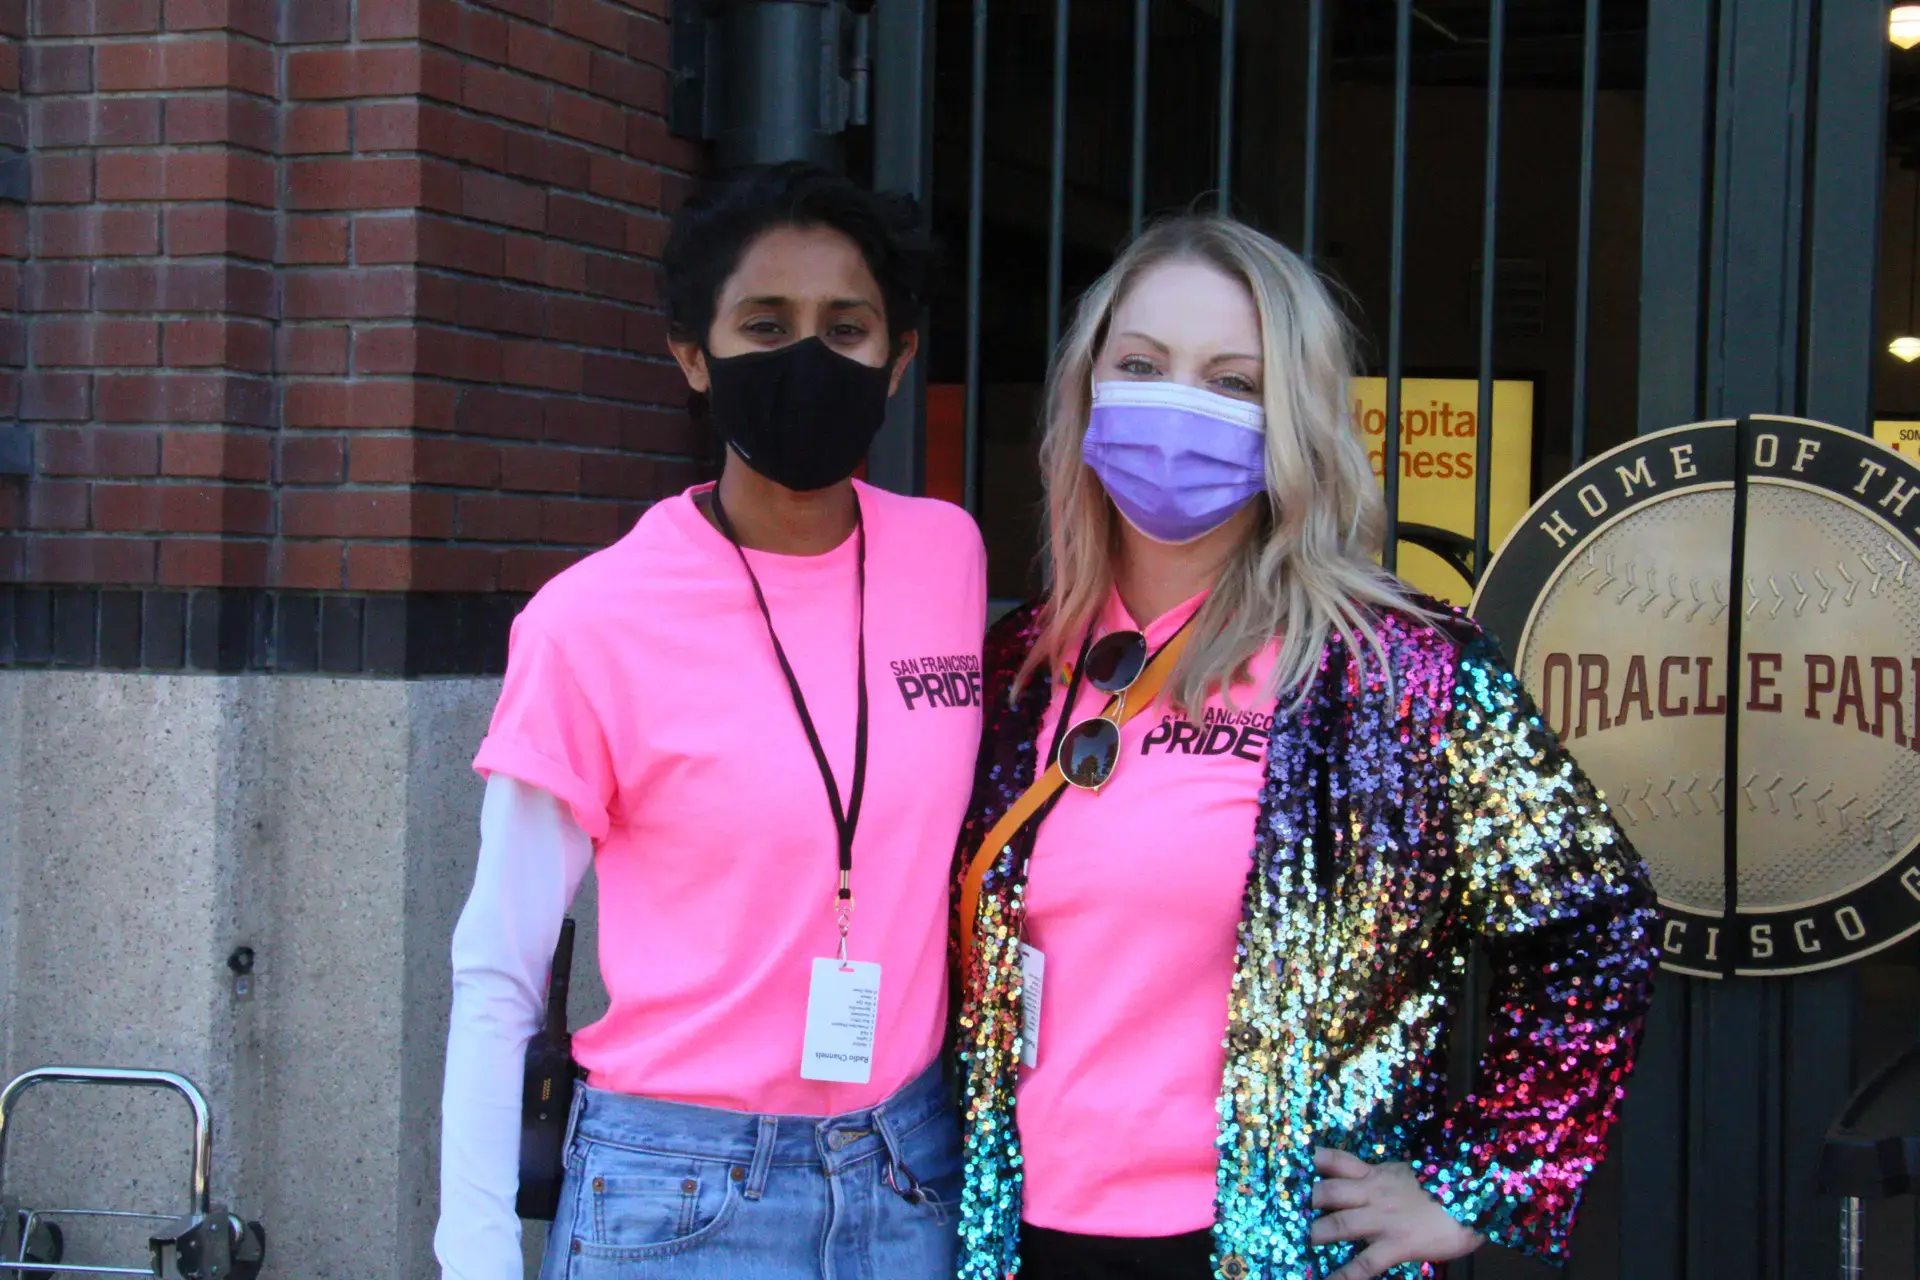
point(1384, 1207)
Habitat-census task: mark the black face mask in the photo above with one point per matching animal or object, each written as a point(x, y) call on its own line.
point(802, 416)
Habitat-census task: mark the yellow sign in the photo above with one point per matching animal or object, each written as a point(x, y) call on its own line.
point(1439, 442)
point(1901, 437)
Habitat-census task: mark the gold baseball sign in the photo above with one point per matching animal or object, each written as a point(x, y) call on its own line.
point(1617, 599)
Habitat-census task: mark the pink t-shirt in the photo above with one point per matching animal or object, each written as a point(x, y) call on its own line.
point(643, 691)
point(1134, 897)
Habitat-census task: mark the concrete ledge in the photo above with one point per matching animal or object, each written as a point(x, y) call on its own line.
point(151, 824)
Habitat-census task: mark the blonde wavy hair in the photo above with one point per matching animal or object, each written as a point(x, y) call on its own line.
point(1306, 568)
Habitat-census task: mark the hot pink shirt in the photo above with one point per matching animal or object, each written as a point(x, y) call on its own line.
point(1134, 897)
point(643, 691)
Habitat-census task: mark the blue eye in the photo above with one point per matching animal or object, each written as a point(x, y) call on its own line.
point(1138, 367)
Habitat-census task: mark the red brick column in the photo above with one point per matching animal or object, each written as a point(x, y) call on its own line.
point(149, 292)
point(340, 297)
point(474, 198)
point(15, 447)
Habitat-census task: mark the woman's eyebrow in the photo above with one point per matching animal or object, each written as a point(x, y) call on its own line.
point(778, 300)
point(1147, 338)
point(1232, 355)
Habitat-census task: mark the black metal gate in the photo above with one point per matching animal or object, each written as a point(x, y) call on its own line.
point(1763, 164)
point(1651, 211)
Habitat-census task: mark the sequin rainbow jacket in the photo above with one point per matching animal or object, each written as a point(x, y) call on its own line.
point(1404, 815)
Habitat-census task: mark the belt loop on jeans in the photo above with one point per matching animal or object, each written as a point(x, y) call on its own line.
point(898, 1175)
point(573, 1121)
point(762, 1157)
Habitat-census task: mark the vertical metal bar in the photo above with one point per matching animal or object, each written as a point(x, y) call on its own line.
point(976, 222)
point(1582, 290)
point(1229, 19)
point(902, 161)
point(1736, 617)
point(1142, 19)
point(1489, 273)
point(1845, 171)
point(1849, 124)
point(1752, 366)
point(1397, 272)
point(1675, 200)
point(1057, 207)
point(1316, 55)
point(1661, 1138)
point(1744, 1197)
point(1737, 1220)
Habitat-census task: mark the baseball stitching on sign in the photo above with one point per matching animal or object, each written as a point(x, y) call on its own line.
point(1644, 581)
point(1619, 596)
point(1644, 804)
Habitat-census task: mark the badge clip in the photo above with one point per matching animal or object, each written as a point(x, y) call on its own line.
point(843, 915)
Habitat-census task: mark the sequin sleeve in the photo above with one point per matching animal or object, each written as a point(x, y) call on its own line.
point(1005, 765)
point(1565, 912)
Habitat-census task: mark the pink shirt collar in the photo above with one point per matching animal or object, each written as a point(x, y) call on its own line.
point(1115, 617)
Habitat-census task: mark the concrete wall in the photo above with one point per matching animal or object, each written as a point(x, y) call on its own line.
point(151, 824)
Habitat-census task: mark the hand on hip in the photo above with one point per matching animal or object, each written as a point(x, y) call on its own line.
point(1384, 1207)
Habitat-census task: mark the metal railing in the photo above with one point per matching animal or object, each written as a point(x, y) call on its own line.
point(1150, 19)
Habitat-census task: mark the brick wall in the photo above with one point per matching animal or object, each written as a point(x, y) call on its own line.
point(15, 453)
point(337, 296)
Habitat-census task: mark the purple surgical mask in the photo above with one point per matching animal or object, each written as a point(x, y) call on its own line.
point(1177, 460)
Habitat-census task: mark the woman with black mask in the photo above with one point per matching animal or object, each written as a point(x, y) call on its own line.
point(756, 710)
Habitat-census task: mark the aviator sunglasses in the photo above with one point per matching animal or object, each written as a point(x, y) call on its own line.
point(1091, 748)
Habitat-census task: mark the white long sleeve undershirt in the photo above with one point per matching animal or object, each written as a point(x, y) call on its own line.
point(533, 856)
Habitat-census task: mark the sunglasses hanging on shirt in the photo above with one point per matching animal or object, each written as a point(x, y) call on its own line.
point(1088, 752)
point(1091, 748)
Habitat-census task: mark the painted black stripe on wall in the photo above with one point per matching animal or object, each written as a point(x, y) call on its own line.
point(231, 631)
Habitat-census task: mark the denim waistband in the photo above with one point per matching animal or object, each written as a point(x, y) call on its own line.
point(829, 1142)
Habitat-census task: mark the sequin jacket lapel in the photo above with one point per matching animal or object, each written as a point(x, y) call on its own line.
point(1399, 821)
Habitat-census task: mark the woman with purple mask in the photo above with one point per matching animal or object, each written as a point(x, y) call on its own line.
point(1244, 807)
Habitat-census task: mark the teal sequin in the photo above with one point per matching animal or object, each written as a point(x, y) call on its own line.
point(1405, 814)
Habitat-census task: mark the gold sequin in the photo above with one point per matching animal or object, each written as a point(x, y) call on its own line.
point(1404, 813)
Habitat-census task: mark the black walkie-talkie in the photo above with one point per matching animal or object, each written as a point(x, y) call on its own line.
point(547, 1099)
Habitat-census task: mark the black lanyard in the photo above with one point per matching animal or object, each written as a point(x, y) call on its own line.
point(846, 818)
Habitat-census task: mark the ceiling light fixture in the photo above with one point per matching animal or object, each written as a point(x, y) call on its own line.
point(1907, 346)
point(1903, 25)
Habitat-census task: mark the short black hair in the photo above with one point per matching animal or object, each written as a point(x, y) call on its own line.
point(711, 232)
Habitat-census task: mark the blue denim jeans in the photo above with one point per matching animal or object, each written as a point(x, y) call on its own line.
point(667, 1190)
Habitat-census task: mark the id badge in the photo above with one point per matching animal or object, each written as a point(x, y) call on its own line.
point(1033, 982)
point(843, 1008)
